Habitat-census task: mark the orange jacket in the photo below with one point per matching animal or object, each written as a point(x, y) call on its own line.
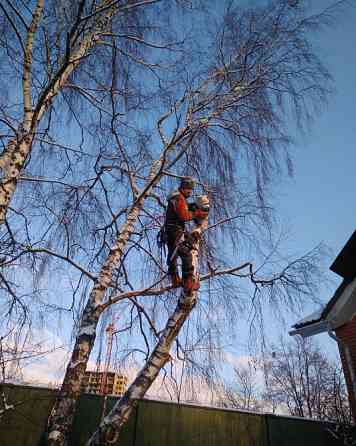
point(181, 209)
point(177, 212)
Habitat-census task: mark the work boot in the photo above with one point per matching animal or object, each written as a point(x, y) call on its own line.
point(190, 283)
point(175, 280)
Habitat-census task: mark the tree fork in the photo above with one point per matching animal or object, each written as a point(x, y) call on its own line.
point(62, 414)
point(109, 429)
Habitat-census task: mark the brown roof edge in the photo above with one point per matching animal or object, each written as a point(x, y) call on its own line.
point(335, 297)
point(328, 307)
point(345, 265)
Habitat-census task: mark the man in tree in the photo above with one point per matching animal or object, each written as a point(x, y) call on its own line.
point(178, 241)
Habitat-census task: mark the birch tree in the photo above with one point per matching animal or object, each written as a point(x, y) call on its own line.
point(60, 61)
point(304, 381)
point(46, 43)
point(92, 200)
point(245, 391)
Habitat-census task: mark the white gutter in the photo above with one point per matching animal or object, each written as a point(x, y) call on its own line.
point(311, 329)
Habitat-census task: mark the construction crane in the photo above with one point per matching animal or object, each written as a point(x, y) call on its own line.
point(110, 330)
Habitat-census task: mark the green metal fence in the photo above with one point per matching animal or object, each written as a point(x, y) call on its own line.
point(156, 423)
point(24, 425)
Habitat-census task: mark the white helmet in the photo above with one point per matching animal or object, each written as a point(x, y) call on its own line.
point(202, 202)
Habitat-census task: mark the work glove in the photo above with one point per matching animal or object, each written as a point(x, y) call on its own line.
point(199, 214)
point(192, 207)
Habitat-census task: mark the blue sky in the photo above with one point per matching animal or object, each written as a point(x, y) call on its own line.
point(320, 201)
point(318, 204)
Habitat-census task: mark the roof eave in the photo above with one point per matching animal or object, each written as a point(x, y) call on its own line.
point(312, 329)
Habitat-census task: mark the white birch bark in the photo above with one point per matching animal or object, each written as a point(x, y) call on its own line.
point(14, 156)
point(62, 413)
point(17, 150)
point(109, 429)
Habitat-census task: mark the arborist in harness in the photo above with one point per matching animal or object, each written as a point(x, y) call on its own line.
point(178, 241)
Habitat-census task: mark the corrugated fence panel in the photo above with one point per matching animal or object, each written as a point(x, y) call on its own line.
point(174, 425)
point(284, 431)
point(156, 423)
point(87, 418)
point(23, 426)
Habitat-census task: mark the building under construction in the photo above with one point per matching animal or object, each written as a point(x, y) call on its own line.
point(93, 383)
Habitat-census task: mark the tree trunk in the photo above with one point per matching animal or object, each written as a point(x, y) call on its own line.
point(12, 161)
point(109, 429)
point(14, 156)
point(62, 413)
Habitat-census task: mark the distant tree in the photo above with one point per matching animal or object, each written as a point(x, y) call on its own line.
point(301, 379)
point(295, 378)
point(17, 349)
point(245, 390)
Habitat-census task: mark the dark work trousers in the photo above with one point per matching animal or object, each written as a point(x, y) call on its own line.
point(184, 251)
